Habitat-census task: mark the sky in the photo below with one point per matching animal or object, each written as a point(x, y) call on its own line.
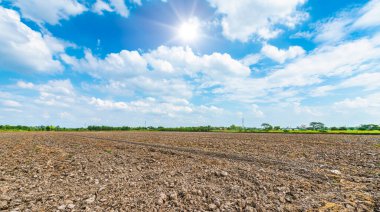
point(76, 63)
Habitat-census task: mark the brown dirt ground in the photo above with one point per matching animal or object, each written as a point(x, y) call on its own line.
point(166, 171)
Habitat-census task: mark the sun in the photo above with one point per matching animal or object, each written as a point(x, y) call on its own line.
point(189, 31)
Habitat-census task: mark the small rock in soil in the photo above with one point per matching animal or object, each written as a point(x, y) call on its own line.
point(336, 172)
point(70, 206)
point(90, 200)
point(3, 205)
point(212, 206)
point(223, 173)
point(61, 207)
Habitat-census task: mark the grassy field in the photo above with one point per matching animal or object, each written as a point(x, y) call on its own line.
point(355, 132)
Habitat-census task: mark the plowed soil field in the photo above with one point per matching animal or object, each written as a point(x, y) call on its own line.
point(167, 171)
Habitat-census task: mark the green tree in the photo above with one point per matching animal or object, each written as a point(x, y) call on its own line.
point(317, 125)
point(266, 126)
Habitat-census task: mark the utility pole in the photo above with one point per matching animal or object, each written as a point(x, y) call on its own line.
point(242, 123)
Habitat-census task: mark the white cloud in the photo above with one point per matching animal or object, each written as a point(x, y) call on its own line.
point(366, 104)
point(101, 6)
point(369, 15)
point(148, 85)
point(138, 2)
point(223, 66)
point(53, 93)
point(120, 7)
point(280, 55)
point(333, 30)
point(351, 57)
point(151, 105)
point(185, 62)
point(346, 22)
point(49, 11)
point(125, 63)
point(251, 59)
point(322, 90)
point(23, 84)
point(243, 19)
point(57, 93)
point(11, 103)
point(57, 102)
point(179, 72)
point(302, 34)
point(107, 104)
point(25, 50)
point(164, 70)
point(368, 81)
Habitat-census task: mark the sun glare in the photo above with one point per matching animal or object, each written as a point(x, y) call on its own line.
point(189, 31)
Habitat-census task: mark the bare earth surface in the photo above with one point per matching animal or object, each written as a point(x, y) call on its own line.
point(159, 171)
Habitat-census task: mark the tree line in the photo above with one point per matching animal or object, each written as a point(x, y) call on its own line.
point(313, 126)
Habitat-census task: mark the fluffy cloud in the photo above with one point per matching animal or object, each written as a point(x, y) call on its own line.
point(338, 28)
point(101, 6)
point(176, 61)
point(349, 58)
point(147, 85)
point(172, 107)
point(138, 2)
point(148, 105)
point(107, 104)
point(57, 93)
point(333, 30)
point(368, 81)
point(280, 55)
point(367, 104)
point(251, 59)
point(49, 11)
point(125, 63)
point(120, 7)
point(165, 71)
point(25, 50)
point(369, 15)
point(59, 100)
point(53, 12)
point(243, 19)
point(22, 84)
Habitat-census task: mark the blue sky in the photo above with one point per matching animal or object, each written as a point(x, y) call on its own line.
point(189, 62)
